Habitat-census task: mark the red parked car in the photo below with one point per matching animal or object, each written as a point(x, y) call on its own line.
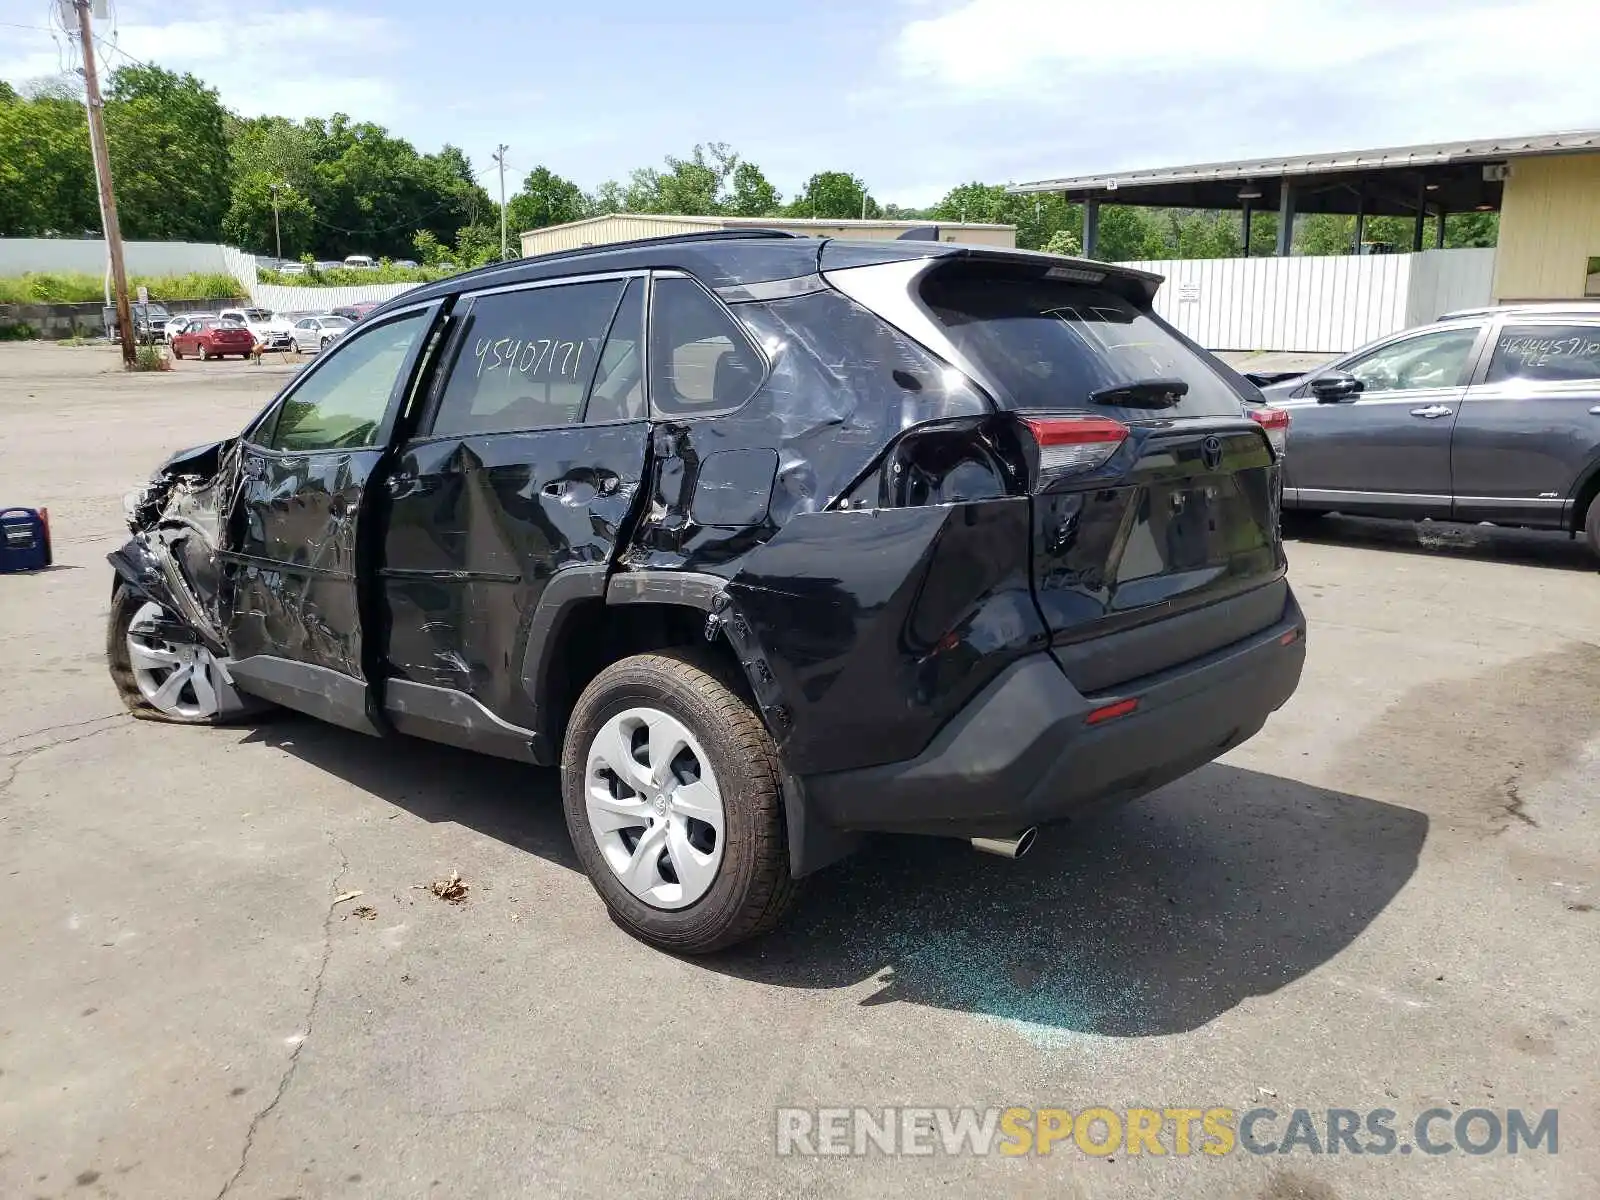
point(213, 339)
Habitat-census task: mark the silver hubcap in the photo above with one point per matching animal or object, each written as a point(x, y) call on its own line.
point(179, 678)
point(654, 807)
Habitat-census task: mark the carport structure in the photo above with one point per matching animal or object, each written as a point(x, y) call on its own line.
point(1417, 181)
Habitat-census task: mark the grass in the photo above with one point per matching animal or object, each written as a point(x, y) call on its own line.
point(42, 287)
point(353, 277)
point(20, 332)
point(151, 358)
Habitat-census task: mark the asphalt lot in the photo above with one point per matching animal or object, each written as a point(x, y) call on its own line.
point(1387, 899)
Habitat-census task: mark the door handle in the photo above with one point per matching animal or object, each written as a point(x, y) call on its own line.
point(1432, 411)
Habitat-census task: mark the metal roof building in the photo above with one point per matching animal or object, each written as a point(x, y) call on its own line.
point(622, 227)
point(1546, 187)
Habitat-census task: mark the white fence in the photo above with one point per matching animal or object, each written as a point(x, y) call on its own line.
point(1316, 304)
point(88, 255)
point(280, 298)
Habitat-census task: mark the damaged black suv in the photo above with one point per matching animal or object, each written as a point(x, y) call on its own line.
point(767, 541)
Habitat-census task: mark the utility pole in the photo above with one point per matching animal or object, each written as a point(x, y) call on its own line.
point(500, 157)
point(277, 234)
point(108, 199)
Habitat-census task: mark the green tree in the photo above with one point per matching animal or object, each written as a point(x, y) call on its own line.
point(476, 245)
point(46, 174)
point(249, 222)
point(1037, 217)
point(545, 199)
point(609, 197)
point(751, 194)
point(169, 154)
point(834, 195)
point(1129, 234)
point(427, 249)
point(1063, 241)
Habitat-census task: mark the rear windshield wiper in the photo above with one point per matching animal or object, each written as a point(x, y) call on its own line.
point(1142, 393)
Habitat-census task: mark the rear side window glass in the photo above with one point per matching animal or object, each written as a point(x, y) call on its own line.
point(700, 359)
point(1546, 353)
point(342, 403)
point(526, 358)
point(1053, 345)
point(618, 393)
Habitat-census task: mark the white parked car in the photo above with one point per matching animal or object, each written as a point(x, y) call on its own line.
point(359, 262)
point(312, 334)
point(176, 325)
point(271, 331)
point(292, 268)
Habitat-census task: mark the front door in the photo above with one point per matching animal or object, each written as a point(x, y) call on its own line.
point(1386, 448)
point(1530, 429)
point(295, 558)
point(505, 505)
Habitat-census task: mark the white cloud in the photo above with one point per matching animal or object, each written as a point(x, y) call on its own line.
point(1238, 76)
point(294, 62)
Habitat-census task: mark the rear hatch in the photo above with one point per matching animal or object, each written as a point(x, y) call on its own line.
point(1155, 494)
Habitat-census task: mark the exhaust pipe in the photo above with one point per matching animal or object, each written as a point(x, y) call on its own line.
point(1007, 847)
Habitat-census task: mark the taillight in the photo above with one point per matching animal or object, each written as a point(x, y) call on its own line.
point(1275, 423)
point(1072, 445)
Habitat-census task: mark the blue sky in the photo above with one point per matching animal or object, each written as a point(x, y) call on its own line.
point(915, 96)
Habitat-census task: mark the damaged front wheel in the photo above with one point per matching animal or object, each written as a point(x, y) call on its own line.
point(162, 672)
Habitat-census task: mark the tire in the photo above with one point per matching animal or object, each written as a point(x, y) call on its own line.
point(176, 353)
point(205, 353)
point(751, 890)
point(188, 706)
point(1591, 526)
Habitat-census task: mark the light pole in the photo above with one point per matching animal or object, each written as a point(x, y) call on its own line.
point(277, 235)
point(500, 157)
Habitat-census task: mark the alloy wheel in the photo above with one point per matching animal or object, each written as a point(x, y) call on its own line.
point(178, 678)
point(654, 807)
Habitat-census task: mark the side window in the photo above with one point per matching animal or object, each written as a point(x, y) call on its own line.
point(700, 359)
point(1439, 359)
point(526, 358)
point(341, 404)
point(1546, 353)
point(618, 393)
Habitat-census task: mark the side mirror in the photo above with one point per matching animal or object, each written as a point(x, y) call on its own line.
point(1334, 387)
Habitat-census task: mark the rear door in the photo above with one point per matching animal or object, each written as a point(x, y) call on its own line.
point(507, 501)
point(1386, 448)
point(1530, 424)
point(297, 558)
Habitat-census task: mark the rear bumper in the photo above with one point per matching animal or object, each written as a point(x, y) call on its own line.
point(1021, 753)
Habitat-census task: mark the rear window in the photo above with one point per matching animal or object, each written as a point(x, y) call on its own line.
point(1054, 345)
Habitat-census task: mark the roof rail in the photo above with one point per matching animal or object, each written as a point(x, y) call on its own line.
point(706, 235)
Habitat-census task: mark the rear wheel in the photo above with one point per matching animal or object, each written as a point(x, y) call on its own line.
point(1591, 525)
point(157, 678)
point(672, 792)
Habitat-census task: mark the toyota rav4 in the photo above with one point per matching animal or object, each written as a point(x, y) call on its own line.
point(768, 542)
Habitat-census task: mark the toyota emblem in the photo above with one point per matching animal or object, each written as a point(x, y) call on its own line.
point(1211, 452)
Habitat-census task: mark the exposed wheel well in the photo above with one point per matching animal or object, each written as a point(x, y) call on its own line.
point(596, 634)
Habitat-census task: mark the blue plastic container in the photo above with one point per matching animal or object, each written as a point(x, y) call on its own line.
point(24, 539)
